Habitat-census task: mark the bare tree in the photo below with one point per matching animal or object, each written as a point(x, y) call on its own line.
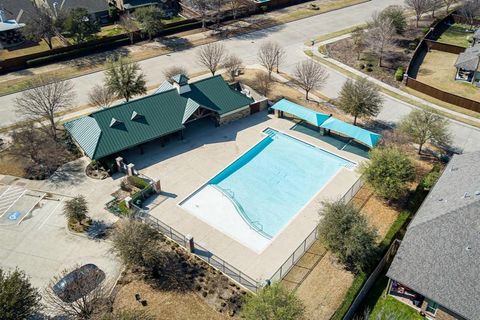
point(270, 56)
point(127, 23)
point(41, 26)
point(419, 6)
point(211, 56)
point(434, 5)
point(264, 82)
point(217, 12)
point(233, 64)
point(380, 36)
point(448, 4)
point(172, 71)
point(469, 11)
point(203, 7)
point(40, 152)
point(310, 75)
point(47, 97)
point(235, 5)
point(83, 298)
point(358, 39)
point(101, 96)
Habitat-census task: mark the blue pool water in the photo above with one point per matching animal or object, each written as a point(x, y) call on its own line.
point(276, 178)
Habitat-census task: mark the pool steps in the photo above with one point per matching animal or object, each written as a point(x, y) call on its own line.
point(255, 225)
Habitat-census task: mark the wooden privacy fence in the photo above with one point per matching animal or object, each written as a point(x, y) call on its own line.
point(426, 44)
point(445, 47)
point(443, 95)
point(371, 280)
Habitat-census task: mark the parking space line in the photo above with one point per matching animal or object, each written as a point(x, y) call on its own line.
point(50, 214)
point(13, 203)
point(26, 214)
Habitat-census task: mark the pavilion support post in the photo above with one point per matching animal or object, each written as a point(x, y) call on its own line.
point(131, 169)
point(119, 161)
point(128, 202)
point(157, 186)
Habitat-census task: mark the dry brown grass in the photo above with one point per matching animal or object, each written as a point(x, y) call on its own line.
point(323, 290)
point(10, 165)
point(165, 304)
point(438, 70)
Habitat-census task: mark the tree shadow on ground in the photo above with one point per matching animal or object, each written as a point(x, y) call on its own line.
point(72, 173)
point(175, 43)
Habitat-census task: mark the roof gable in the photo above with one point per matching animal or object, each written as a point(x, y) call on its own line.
point(215, 94)
point(160, 114)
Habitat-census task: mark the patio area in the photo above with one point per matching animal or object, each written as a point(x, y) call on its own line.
point(183, 166)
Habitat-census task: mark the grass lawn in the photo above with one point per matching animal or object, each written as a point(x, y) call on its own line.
point(377, 303)
point(109, 31)
point(173, 19)
point(438, 70)
point(457, 34)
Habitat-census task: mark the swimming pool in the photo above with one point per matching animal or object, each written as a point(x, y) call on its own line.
point(266, 187)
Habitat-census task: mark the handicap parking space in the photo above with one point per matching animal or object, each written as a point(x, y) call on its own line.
point(20, 207)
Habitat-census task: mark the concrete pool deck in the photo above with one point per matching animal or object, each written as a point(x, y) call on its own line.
point(185, 166)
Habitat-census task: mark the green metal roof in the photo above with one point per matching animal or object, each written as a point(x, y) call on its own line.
point(126, 125)
point(215, 94)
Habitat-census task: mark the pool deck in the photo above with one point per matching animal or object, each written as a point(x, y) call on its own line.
point(185, 166)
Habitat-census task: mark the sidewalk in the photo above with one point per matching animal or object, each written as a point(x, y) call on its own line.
point(315, 51)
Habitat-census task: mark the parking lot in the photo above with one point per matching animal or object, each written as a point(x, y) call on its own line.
point(34, 237)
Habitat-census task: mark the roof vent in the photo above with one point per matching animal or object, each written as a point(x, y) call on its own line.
point(114, 122)
point(477, 193)
point(453, 169)
point(468, 248)
point(135, 115)
point(466, 195)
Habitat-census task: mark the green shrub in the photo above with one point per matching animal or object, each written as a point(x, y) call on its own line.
point(138, 182)
point(399, 74)
point(124, 210)
point(412, 45)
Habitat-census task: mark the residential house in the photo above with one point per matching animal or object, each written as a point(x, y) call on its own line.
point(170, 7)
point(437, 267)
point(97, 8)
point(161, 115)
point(468, 65)
point(14, 14)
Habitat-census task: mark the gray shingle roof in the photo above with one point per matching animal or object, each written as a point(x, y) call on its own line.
point(476, 35)
point(469, 59)
point(92, 6)
point(440, 254)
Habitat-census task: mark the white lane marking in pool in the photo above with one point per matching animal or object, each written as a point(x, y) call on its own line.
point(50, 214)
point(13, 203)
